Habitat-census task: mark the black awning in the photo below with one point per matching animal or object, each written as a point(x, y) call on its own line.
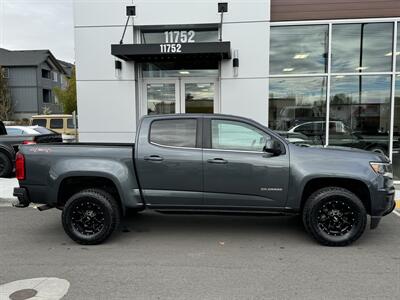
point(171, 52)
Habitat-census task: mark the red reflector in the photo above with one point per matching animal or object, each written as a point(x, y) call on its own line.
point(28, 142)
point(20, 166)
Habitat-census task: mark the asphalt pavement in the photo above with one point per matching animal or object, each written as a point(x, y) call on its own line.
point(155, 256)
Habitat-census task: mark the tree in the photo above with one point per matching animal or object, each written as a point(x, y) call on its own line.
point(6, 107)
point(67, 97)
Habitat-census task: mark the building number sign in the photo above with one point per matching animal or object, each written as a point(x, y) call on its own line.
point(174, 40)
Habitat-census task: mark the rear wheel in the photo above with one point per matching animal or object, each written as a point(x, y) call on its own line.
point(334, 216)
point(5, 165)
point(89, 217)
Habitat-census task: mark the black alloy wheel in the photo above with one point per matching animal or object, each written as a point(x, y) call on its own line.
point(90, 216)
point(334, 216)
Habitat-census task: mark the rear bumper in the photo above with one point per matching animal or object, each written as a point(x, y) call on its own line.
point(23, 197)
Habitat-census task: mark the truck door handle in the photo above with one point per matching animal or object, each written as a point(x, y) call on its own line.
point(153, 158)
point(217, 161)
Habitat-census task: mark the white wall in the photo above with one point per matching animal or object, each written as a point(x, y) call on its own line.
point(106, 103)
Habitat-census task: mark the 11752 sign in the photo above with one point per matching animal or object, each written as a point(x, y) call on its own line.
point(174, 38)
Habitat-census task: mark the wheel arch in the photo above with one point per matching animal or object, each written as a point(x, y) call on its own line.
point(356, 186)
point(72, 184)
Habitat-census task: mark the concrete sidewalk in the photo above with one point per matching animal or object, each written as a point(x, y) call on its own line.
point(6, 188)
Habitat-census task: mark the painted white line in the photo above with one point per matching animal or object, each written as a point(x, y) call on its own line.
point(396, 213)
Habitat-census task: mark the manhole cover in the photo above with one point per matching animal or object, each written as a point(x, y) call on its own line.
point(23, 294)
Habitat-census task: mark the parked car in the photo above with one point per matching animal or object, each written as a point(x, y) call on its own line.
point(342, 135)
point(11, 137)
point(7, 154)
point(206, 164)
point(62, 124)
point(290, 116)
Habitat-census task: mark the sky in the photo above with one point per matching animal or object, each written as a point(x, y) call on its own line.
point(38, 24)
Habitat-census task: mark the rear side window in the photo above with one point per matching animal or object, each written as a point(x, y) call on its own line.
point(176, 133)
point(56, 123)
point(39, 122)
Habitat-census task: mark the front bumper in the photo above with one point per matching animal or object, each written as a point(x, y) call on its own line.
point(388, 204)
point(23, 197)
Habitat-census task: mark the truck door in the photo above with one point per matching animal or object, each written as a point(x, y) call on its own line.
point(237, 172)
point(169, 161)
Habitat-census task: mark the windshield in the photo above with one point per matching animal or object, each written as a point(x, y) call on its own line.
point(43, 130)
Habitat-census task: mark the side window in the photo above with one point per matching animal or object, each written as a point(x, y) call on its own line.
point(70, 123)
point(232, 135)
point(56, 123)
point(39, 122)
point(177, 133)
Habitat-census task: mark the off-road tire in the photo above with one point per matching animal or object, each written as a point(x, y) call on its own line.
point(91, 200)
point(313, 210)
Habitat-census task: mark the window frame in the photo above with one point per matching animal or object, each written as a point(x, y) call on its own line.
point(6, 72)
point(250, 126)
point(47, 72)
point(199, 132)
point(207, 136)
point(393, 73)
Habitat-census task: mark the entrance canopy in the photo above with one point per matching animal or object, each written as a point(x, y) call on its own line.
point(171, 52)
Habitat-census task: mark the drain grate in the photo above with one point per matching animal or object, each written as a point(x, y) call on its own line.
point(23, 294)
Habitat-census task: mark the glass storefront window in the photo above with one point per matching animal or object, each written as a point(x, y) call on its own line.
point(299, 49)
point(195, 68)
point(360, 112)
point(199, 98)
point(396, 132)
point(297, 108)
point(160, 98)
point(363, 47)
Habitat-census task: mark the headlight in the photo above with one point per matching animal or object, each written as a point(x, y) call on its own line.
point(382, 168)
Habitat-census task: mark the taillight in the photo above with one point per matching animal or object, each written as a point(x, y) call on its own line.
point(28, 142)
point(20, 166)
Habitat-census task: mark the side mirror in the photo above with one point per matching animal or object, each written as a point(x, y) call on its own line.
point(272, 146)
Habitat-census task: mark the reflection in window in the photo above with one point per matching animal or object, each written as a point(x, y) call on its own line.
point(396, 132)
point(160, 98)
point(199, 98)
point(361, 104)
point(299, 49)
point(294, 101)
point(363, 47)
point(231, 135)
point(177, 133)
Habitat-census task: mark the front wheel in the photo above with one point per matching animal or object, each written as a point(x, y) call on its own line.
point(334, 216)
point(90, 216)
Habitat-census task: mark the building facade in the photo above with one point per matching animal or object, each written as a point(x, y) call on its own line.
point(319, 72)
point(32, 75)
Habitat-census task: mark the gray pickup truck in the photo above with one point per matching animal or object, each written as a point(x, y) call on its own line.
point(206, 164)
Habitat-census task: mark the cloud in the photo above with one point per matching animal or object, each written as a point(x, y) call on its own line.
point(38, 24)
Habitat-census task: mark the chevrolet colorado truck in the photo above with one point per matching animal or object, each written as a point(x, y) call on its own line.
point(206, 164)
